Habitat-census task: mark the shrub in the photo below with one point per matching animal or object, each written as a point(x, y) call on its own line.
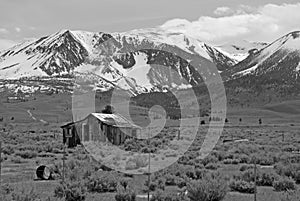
point(136, 162)
point(101, 182)
point(242, 186)
point(6, 189)
point(263, 178)
point(17, 159)
point(163, 196)
point(297, 177)
point(210, 188)
point(152, 186)
point(200, 173)
point(231, 161)
point(25, 196)
point(264, 160)
point(288, 170)
point(181, 183)
point(289, 148)
point(209, 159)
point(246, 167)
point(284, 184)
point(290, 196)
point(171, 180)
point(212, 166)
point(124, 182)
point(244, 158)
point(161, 184)
point(190, 174)
point(8, 150)
point(220, 155)
point(26, 154)
point(71, 191)
point(125, 195)
point(3, 158)
point(248, 176)
point(267, 178)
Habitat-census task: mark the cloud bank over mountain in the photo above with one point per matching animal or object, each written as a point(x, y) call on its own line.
point(263, 23)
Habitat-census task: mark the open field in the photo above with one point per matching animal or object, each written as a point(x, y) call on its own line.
point(34, 138)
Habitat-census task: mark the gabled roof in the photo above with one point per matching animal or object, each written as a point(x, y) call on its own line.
point(116, 120)
point(71, 123)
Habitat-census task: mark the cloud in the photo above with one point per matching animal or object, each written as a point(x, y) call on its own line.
point(223, 11)
point(265, 23)
point(18, 29)
point(3, 31)
point(240, 10)
point(5, 44)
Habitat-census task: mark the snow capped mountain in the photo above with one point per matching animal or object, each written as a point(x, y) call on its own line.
point(277, 62)
point(52, 55)
point(239, 50)
point(144, 60)
point(138, 61)
point(222, 59)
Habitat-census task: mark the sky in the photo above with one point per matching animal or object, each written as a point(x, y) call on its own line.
point(212, 21)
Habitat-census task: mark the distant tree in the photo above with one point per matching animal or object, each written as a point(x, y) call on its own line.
point(108, 109)
point(226, 120)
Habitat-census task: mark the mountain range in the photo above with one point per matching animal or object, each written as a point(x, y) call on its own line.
point(145, 60)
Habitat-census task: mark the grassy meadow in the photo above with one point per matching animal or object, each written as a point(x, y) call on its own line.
point(31, 136)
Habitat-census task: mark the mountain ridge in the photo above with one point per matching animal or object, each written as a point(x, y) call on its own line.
point(115, 57)
point(148, 60)
point(280, 61)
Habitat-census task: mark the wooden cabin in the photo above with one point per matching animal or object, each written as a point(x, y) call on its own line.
point(102, 127)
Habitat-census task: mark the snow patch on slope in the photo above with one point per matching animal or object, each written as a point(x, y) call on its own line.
point(247, 71)
point(140, 71)
point(236, 56)
point(19, 66)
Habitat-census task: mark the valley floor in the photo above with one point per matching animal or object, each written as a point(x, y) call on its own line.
point(33, 138)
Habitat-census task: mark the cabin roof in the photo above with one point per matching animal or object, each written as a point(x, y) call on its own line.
point(115, 120)
point(71, 123)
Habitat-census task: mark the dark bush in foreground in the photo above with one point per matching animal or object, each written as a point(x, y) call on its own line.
point(284, 184)
point(162, 196)
point(71, 191)
point(211, 188)
point(125, 195)
point(289, 170)
point(263, 178)
point(242, 186)
point(102, 182)
point(267, 179)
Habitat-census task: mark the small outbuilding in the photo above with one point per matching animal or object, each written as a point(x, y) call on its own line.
point(102, 127)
